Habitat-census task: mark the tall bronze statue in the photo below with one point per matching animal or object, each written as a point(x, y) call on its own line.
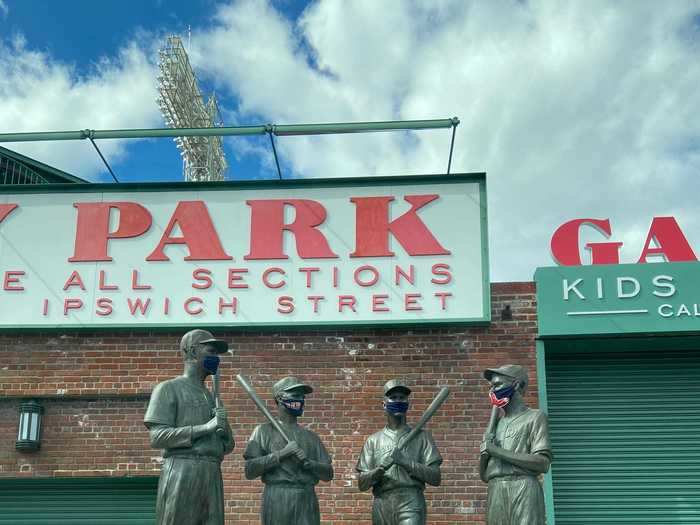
point(396, 462)
point(515, 451)
point(192, 427)
point(289, 458)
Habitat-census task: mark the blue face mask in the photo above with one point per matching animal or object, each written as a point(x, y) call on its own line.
point(211, 363)
point(504, 391)
point(293, 406)
point(396, 408)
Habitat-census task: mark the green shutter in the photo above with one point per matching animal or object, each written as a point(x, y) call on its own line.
point(78, 501)
point(625, 431)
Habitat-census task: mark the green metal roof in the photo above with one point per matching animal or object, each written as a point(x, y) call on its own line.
point(19, 169)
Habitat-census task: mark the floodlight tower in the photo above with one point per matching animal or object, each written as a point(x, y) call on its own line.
point(183, 106)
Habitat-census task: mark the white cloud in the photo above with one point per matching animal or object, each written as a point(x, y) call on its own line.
point(575, 109)
point(3, 9)
point(40, 94)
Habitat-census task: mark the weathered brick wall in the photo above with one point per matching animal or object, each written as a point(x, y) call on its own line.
point(96, 387)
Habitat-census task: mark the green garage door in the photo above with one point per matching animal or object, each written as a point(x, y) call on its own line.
point(625, 431)
point(78, 501)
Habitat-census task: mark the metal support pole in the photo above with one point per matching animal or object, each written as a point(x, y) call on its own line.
point(104, 160)
point(270, 128)
point(455, 123)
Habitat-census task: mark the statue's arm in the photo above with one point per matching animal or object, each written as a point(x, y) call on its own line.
point(368, 475)
point(229, 441)
point(483, 463)
point(324, 471)
point(366, 480)
point(164, 436)
point(257, 466)
point(537, 462)
point(429, 474)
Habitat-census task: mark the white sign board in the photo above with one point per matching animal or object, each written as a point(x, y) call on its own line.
point(359, 251)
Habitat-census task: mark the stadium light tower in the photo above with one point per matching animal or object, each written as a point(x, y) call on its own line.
point(183, 106)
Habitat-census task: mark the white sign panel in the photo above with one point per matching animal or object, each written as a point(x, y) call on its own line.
point(245, 254)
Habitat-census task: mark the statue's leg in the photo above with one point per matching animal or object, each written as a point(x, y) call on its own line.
point(382, 510)
point(183, 500)
point(527, 502)
point(280, 504)
point(497, 502)
point(214, 494)
point(410, 507)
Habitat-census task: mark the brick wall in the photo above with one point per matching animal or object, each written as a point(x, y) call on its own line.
point(96, 388)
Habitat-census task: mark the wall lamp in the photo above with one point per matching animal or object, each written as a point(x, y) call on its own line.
point(29, 432)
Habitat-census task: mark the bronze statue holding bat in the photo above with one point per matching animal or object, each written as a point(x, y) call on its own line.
point(515, 451)
point(398, 461)
point(289, 458)
point(192, 427)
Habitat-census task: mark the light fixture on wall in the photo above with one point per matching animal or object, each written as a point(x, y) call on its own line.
point(29, 432)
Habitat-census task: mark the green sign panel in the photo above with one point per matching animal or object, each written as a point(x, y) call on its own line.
point(618, 299)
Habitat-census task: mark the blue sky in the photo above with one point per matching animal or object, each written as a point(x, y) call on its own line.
point(573, 109)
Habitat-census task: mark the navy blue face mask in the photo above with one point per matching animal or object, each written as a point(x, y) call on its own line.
point(504, 391)
point(293, 406)
point(211, 363)
point(396, 408)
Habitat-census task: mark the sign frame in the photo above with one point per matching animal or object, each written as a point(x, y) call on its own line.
point(478, 178)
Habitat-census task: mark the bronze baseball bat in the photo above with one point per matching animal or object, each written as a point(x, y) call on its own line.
point(215, 382)
point(263, 408)
point(440, 398)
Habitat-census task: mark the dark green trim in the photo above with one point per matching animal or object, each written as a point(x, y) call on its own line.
point(542, 398)
point(485, 263)
point(478, 177)
point(46, 171)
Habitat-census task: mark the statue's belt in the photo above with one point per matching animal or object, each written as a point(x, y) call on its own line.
point(194, 457)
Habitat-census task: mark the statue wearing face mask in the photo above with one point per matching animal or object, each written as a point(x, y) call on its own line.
point(290, 471)
point(515, 451)
point(398, 476)
point(194, 435)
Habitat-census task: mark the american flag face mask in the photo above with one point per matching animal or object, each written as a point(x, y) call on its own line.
point(501, 397)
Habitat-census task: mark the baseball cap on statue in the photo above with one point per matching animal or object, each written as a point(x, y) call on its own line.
point(514, 371)
point(396, 384)
point(289, 383)
point(198, 337)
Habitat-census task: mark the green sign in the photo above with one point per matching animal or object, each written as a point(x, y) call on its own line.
point(618, 299)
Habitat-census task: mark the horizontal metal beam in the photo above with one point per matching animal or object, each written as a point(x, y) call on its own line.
point(279, 130)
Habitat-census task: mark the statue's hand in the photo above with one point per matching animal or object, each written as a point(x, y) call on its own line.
point(300, 455)
point(211, 425)
point(386, 462)
point(290, 449)
point(221, 417)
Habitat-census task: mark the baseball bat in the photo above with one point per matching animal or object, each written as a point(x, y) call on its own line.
point(440, 398)
point(215, 383)
point(263, 408)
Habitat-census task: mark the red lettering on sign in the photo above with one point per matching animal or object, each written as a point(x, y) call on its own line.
point(372, 228)
point(366, 268)
point(233, 277)
point(378, 303)
point(74, 280)
point(193, 311)
point(442, 296)
point(104, 307)
point(565, 241)
point(233, 305)
point(315, 299)
point(71, 304)
point(266, 275)
point(671, 243)
point(441, 270)
point(5, 210)
point(11, 281)
point(202, 274)
point(135, 282)
point(267, 227)
point(346, 300)
point(138, 304)
point(411, 302)
point(102, 285)
point(308, 272)
point(198, 234)
point(410, 277)
point(92, 231)
point(286, 304)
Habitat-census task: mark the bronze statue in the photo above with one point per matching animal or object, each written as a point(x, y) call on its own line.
point(397, 463)
point(192, 427)
point(515, 451)
point(289, 459)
